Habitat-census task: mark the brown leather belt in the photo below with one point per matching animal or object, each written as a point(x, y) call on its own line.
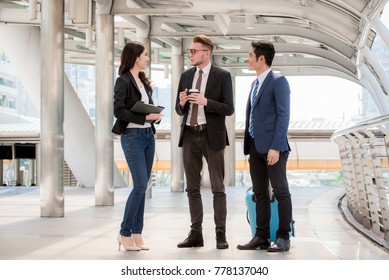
point(198, 127)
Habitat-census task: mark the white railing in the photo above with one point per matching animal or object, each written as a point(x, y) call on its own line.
point(364, 154)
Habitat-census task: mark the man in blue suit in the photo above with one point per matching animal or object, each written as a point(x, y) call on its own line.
point(266, 142)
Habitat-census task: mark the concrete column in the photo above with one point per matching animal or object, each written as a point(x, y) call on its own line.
point(177, 167)
point(229, 156)
point(52, 108)
point(1, 172)
point(38, 164)
point(104, 195)
point(18, 180)
point(32, 172)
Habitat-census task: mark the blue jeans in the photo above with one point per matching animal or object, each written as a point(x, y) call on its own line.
point(138, 145)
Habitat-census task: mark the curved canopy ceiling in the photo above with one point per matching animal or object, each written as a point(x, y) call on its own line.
point(312, 37)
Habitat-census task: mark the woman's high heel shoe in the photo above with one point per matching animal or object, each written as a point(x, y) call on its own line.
point(127, 243)
point(139, 241)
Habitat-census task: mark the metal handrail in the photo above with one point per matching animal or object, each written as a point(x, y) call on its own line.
point(367, 124)
point(364, 153)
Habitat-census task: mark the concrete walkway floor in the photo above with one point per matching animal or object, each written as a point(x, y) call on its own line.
point(88, 232)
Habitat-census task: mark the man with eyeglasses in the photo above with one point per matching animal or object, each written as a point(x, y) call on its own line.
point(204, 134)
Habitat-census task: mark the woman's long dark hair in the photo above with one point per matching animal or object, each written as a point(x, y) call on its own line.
point(131, 51)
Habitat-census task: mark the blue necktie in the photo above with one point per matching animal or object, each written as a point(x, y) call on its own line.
point(254, 96)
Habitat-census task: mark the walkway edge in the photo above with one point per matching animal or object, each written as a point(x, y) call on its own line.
point(348, 217)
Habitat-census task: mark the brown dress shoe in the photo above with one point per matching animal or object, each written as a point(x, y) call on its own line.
point(194, 239)
point(254, 243)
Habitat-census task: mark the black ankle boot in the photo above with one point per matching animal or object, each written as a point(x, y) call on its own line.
point(194, 239)
point(221, 241)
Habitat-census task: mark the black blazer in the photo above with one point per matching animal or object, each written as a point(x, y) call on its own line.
point(218, 91)
point(126, 95)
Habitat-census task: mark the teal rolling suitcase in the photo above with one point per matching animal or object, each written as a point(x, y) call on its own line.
point(251, 215)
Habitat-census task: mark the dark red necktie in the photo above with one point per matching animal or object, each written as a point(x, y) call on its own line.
point(195, 107)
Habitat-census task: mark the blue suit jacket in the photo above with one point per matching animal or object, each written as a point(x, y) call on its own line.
point(271, 115)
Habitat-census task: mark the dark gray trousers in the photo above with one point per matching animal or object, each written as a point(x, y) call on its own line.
point(194, 147)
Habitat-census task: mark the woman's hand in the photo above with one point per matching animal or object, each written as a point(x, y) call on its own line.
point(154, 117)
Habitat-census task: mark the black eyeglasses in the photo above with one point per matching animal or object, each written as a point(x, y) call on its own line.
point(194, 51)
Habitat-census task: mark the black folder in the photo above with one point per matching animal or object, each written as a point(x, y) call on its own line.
point(143, 108)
